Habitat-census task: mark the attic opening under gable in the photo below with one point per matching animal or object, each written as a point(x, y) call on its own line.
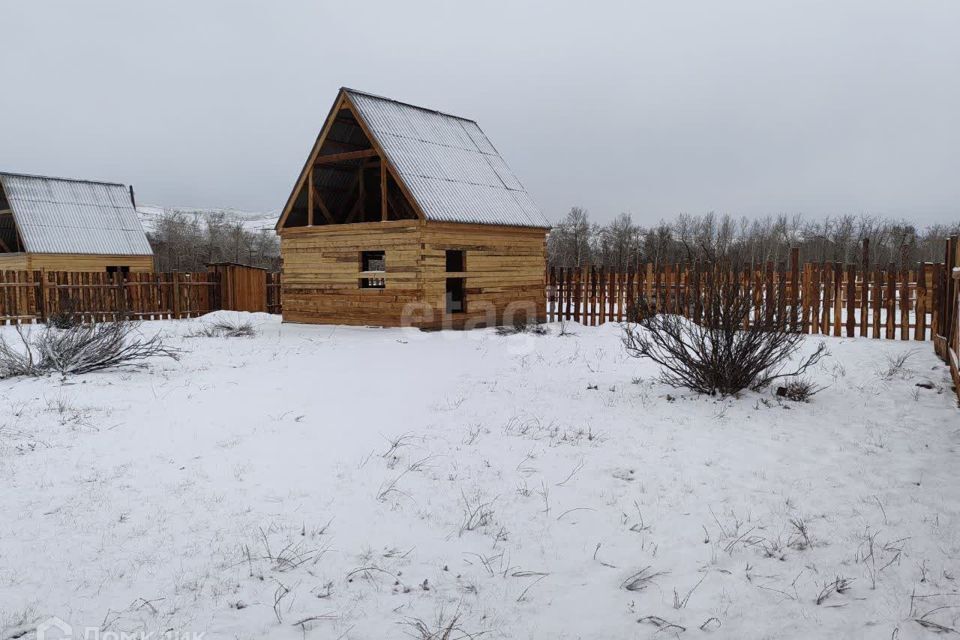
point(9, 238)
point(344, 185)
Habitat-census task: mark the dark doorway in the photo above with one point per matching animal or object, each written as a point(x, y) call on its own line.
point(456, 261)
point(455, 295)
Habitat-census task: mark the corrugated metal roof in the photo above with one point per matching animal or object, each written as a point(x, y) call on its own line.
point(447, 164)
point(60, 215)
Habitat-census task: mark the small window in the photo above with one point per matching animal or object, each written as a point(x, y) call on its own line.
point(456, 261)
point(455, 296)
point(118, 269)
point(373, 262)
point(373, 283)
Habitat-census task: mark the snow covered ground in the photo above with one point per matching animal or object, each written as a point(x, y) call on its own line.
point(332, 482)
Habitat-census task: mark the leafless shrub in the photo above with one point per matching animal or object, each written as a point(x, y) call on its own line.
point(292, 555)
point(661, 624)
point(641, 579)
point(800, 538)
point(936, 627)
point(396, 444)
point(740, 343)
point(19, 363)
point(798, 389)
point(443, 629)
point(388, 487)
point(81, 349)
point(225, 329)
point(876, 556)
point(895, 365)
point(771, 548)
point(521, 325)
point(565, 329)
point(477, 513)
point(838, 585)
point(281, 592)
point(681, 603)
point(67, 315)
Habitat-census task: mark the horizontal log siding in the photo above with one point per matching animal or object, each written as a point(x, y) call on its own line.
point(503, 265)
point(73, 262)
point(321, 273)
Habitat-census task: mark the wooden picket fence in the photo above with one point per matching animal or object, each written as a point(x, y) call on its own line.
point(274, 300)
point(825, 298)
point(34, 296)
point(946, 339)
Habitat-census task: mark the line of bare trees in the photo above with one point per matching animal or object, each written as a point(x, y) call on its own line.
point(183, 241)
point(619, 244)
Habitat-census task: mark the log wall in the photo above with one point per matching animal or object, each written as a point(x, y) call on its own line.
point(321, 273)
point(73, 262)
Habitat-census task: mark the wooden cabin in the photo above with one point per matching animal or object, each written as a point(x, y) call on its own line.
point(58, 224)
point(405, 216)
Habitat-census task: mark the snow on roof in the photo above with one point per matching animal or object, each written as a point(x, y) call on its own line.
point(447, 164)
point(62, 215)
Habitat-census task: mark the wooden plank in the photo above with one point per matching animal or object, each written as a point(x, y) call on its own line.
point(577, 293)
point(612, 295)
point(311, 189)
point(877, 297)
point(346, 156)
point(891, 302)
point(384, 213)
point(592, 296)
point(837, 299)
point(864, 286)
point(920, 312)
point(904, 300)
point(851, 300)
point(816, 293)
point(827, 302)
point(176, 295)
point(795, 322)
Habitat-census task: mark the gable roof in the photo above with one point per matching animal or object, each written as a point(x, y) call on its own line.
point(446, 163)
point(61, 215)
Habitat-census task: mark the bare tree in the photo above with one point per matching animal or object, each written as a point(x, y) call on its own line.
point(570, 241)
point(621, 243)
point(187, 242)
point(734, 346)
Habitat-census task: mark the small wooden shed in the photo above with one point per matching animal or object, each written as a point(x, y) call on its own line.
point(405, 216)
point(59, 224)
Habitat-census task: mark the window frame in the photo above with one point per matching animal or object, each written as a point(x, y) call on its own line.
point(372, 278)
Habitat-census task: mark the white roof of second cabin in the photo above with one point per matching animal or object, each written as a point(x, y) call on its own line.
point(447, 163)
point(60, 215)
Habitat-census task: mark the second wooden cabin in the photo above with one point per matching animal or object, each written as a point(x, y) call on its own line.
point(408, 216)
point(61, 224)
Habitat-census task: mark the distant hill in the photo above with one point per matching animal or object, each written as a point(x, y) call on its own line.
point(253, 221)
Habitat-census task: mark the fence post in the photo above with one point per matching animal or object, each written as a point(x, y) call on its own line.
point(865, 286)
point(551, 293)
point(851, 300)
point(176, 294)
point(795, 289)
point(920, 331)
point(41, 296)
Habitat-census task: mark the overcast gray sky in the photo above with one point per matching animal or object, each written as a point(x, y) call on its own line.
point(652, 108)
